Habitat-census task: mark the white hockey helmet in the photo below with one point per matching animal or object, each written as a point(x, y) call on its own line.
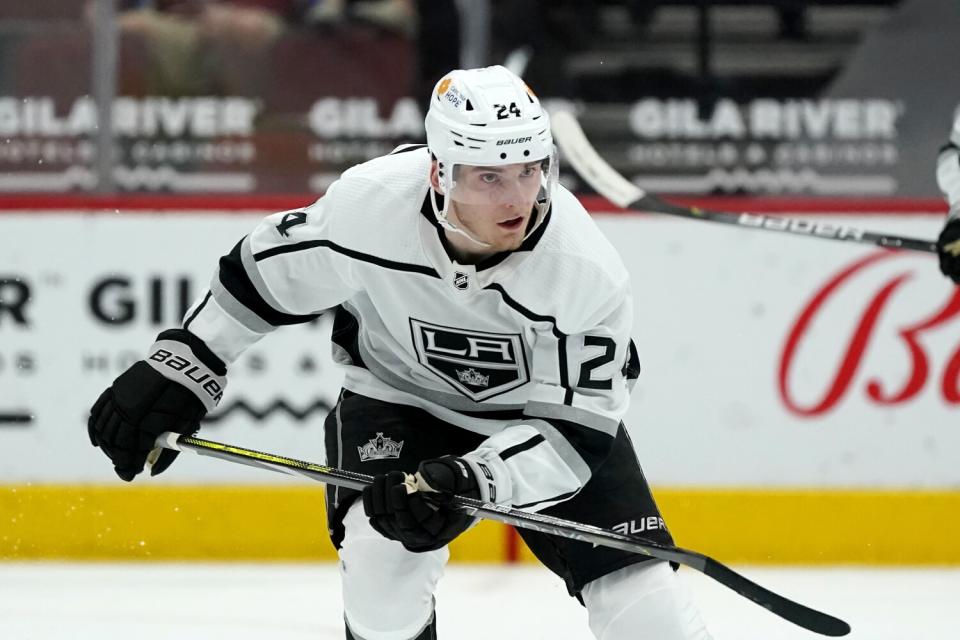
point(488, 117)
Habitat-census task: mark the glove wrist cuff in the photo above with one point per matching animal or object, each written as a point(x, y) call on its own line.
point(176, 360)
point(493, 477)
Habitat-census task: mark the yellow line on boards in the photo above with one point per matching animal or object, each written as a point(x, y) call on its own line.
point(285, 523)
point(169, 522)
point(816, 526)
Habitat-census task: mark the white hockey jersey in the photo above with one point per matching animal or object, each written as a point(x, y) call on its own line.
point(948, 170)
point(530, 348)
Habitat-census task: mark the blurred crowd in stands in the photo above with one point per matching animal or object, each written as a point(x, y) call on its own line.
point(281, 48)
point(204, 47)
point(229, 47)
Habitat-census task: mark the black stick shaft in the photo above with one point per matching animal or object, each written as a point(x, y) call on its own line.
point(782, 224)
point(794, 612)
point(606, 181)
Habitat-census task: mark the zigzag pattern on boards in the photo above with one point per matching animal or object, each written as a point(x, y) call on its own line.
point(279, 406)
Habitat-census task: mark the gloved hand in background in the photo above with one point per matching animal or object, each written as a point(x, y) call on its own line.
point(948, 248)
point(948, 179)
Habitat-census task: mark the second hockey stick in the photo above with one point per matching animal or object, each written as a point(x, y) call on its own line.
point(798, 614)
point(605, 180)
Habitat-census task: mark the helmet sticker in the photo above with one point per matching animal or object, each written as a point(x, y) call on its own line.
point(449, 92)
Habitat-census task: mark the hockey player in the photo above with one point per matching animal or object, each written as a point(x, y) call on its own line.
point(483, 322)
point(948, 177)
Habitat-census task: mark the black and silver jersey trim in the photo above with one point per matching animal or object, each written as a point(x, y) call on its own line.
point(559, 498)
point(592, 446)
point(235, 279)
point(196, 312)
point(306, 245)
point(523, 446)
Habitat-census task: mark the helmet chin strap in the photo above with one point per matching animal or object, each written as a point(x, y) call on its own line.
point(441, 215)
point(541, 207)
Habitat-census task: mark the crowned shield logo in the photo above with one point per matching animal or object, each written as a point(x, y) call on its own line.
point(478, 364)
point(380, 448)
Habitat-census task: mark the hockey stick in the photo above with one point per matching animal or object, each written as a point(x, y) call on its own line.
point(604, 179)
point(796, 613)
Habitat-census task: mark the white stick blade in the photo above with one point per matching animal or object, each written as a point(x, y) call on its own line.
point(578, 151)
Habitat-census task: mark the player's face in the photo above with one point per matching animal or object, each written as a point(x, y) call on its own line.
point(494, 204)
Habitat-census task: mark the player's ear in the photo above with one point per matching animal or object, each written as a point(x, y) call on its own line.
point(435, 176)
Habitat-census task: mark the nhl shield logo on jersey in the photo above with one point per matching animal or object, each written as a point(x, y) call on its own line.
point(380, 448)
point(478, 364)
point(461, 281)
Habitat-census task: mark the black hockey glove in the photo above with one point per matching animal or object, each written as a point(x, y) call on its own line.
point(397, 509)
point(948, 247)
point(171, 390)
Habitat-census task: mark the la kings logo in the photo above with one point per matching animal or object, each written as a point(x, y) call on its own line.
point(479, 365)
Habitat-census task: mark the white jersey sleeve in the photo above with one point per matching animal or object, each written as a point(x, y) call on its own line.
point(948, 170)
point(260, 284)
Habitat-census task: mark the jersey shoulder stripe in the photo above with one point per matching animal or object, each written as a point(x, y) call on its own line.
point(356, 255)
point(233, 276)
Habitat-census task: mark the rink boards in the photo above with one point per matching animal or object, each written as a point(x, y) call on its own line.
point(798, 401)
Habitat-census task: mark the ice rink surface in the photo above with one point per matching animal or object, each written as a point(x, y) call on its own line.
point(40, 601)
